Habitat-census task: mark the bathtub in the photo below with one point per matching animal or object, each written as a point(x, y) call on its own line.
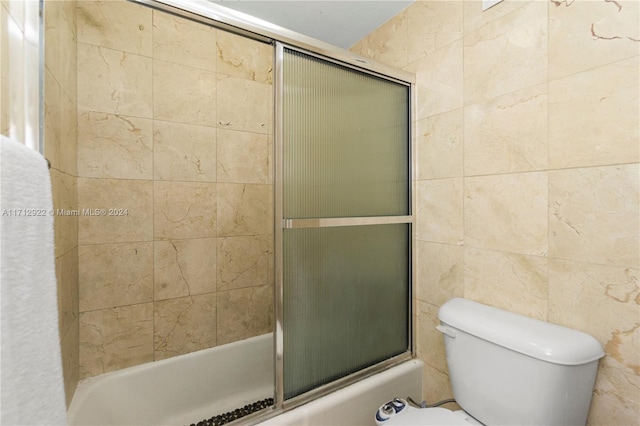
point(180, 390)
point(356, 404)
point(189, 388)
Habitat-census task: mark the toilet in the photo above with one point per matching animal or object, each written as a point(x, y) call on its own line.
point(507, 369)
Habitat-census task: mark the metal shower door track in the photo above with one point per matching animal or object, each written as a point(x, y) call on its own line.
point(257, 29)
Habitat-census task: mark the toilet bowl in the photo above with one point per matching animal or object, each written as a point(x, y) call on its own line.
point(507, 369)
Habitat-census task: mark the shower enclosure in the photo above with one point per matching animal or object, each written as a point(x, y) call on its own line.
point(344, 199)
point(264, 181)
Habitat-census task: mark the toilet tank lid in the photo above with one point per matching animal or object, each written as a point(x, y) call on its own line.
point(539, 339)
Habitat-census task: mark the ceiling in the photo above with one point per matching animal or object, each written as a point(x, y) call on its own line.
point(338, 22)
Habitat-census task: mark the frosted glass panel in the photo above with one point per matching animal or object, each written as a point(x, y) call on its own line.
point(345, 141)
point(346, 301)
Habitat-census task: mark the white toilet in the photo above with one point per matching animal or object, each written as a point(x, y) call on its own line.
point(507, 369)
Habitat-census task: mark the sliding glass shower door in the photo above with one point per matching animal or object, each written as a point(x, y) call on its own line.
point(345, 199)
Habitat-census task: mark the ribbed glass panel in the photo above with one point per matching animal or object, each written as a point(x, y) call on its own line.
point(345, 141)
point(346, 301)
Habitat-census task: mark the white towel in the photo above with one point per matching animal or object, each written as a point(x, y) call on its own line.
point(31, 383)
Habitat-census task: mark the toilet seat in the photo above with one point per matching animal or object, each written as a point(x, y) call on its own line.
point(427, 416)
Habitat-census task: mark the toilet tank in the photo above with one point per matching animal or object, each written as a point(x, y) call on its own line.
point(509, 369)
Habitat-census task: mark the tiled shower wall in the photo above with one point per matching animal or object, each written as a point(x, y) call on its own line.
point(174, 142)
point(528, 173)
point(60, 142)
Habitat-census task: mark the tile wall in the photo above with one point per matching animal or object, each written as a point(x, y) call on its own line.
point(59, 140)
point(174, 133)
point(528, 171)
point(60, 118)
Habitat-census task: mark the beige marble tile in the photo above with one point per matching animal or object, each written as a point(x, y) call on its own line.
point(360, 46)
point(615, 398)
point(68, 299)
point(436, 386)
point(507, 134)
point(116, 24)
point(244, 313)
point(593, 116)
point(244, 105)
point(183, 41)
point(600, 300)
point(475, 17)
point(133, 223)
point(71, 14)
point(60, 46)
point(588, 34)
point(244, 209)
point(60, 86)
point(184, 325)
point(70, 351)
point(52, 117)
point(440, 211)
point(507, 54)
point(430, 343)
point(60, 122)
point(507, 213)
point(183, 94)
point(115, 338)
point(432, 25)
point(243, 262)
point(440, 145)
point(389, 42)
point(112, 81)
point(184, 210)
point(439, 78)
point(439, 272)
point(243, 157)
point(184, 152)
point(64, 190)
point(603, 301)
point(509, 281)
point(68, 158)
point(184, 267)
point(594, 215)
point(244, 58)
point(112, 275)
point(69, 62)
point(114, 146)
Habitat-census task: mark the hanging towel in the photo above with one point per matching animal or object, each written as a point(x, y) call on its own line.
point(31, 384)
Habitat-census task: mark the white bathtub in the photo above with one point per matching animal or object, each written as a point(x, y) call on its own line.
point(180, 390)
point(189, 388)
point(356, 404)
